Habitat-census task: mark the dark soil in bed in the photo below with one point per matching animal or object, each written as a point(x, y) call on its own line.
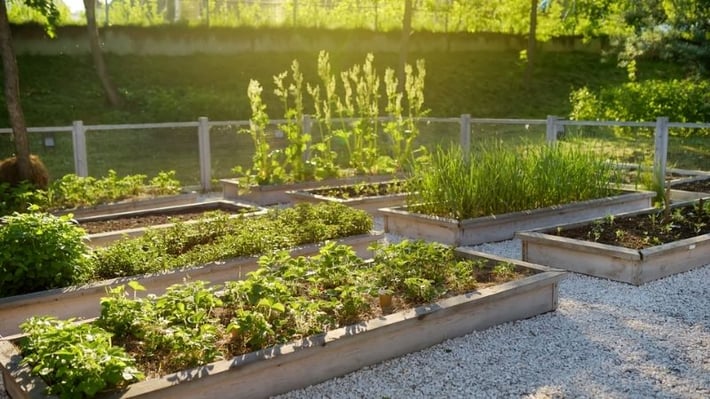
point(648, 230)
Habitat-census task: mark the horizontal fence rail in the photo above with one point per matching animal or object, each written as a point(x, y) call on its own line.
point(554, 127)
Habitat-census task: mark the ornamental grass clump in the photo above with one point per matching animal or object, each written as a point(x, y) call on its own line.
point(496, 179)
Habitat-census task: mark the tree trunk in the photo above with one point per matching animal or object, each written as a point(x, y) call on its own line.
point(404, 44)
point(12, 97)
point(532, 43)
point(109, 89)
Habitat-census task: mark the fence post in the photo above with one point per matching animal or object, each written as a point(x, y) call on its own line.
point(78, 136)
point(206, 4)
point(376, 14)
point(551, 129)
point(306, 126)
point(295, 11)
point(661, 152)
point(465, 138)
point(106, 6)
point(203, 135)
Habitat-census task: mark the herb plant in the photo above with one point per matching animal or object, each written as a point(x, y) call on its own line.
point(496, 179)
point(39, 251)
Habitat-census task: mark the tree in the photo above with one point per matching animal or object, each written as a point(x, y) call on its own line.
point(677, 31)
point(12, 82)
point(404, 44)
point(532, 42)
point(112, 95)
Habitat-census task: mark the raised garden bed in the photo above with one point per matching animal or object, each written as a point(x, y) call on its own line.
point(634, 248)
point(399, 221)
point(82, 301)
point(285, 367)
point(365, 196)
point(108, 227)
point(135, 204)
point(274, 194)
point(690, 188)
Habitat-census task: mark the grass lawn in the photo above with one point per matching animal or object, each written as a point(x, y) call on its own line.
point(172, 89)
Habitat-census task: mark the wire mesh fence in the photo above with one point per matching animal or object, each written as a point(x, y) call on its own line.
point(144, 151)
point(152, 148)
point(378, 15)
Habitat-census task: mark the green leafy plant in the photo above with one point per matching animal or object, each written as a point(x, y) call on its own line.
point(215, 239)
point(39, 251)
point(266, 168)
point(680, 100)
point(19, 198)
point(72, 191)
point(287, 298)
point(178, 327)
point(76, 360)
point(291, 97)
point(360, 131)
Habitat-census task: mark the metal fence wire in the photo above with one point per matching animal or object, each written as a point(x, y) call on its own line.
point(378, 15)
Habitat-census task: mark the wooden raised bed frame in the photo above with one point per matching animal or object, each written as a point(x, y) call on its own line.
point(274, 194)
point(616, 263)
point(318, 358)
point(105, 238)
point(133, 205)
point(370, 204)
point(503, 227)
point(83, 301)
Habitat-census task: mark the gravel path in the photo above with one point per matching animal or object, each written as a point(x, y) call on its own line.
point(606, 340)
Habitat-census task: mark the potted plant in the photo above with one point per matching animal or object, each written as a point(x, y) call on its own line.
point(634, 247)
point(499, 190)
point(216, 249)
point(302, 317)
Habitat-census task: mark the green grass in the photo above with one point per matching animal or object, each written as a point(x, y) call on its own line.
point(56, 90)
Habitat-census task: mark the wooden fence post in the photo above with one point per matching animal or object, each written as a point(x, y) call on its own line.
point(78, 134)
point(551, 130)
point(660, 152)
point(203, 135)
point(465, 138)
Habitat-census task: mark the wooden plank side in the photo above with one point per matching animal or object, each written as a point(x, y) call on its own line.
point(673, 258)
point(345, 350)
point(597, 265)
point(17, 378)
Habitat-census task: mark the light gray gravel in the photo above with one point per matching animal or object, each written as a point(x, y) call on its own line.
point(606, 340)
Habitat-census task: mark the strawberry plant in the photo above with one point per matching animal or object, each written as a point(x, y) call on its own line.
point(76, 360)
point(287, 298)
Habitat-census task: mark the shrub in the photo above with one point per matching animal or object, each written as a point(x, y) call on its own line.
point(18, 198)
point(680, 100)
point(39, 251)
